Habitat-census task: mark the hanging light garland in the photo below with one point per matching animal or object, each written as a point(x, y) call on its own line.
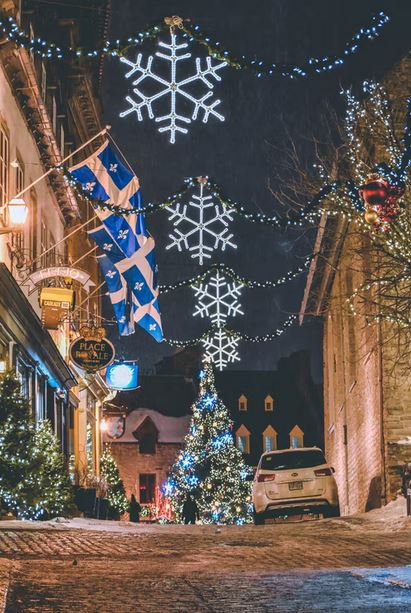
point(270, 336)
point(292, 219)
point(258, 68)
point(223, 268)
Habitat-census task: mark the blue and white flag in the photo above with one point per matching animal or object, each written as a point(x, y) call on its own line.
point(117, 289)
point(124, 239)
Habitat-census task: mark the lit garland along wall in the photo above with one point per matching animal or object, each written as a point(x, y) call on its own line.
point(371, 120)
point(209, 466)
point(258, 68)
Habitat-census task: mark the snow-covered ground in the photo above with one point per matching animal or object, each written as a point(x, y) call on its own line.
point(392, 517)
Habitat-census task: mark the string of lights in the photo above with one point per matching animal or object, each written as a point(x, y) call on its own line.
point(192, 281)
point(259, 68)
point(234, 334)
point(292, 219)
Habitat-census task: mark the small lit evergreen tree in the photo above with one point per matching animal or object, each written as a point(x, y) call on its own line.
point(34, 483)
point(209, 466)
point(116, 494)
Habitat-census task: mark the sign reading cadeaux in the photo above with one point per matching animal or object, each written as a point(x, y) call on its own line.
point(91, 351)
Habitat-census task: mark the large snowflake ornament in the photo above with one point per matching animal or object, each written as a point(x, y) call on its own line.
point(204, 226)
point(221, 348)
point(174, 88)
point(218, 299)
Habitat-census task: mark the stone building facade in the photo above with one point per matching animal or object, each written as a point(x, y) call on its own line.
point(145, 444)
point(367, 396)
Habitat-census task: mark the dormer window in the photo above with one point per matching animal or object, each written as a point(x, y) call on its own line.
point(242, 403)
point(269, 439)
point(268, 403)
point(242, 438)
point(296, 438)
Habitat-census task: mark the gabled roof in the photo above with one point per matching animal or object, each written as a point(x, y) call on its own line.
point(170, 429)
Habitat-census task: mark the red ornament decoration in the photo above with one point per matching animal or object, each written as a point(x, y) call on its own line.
point(374, 191)
point(381, 201)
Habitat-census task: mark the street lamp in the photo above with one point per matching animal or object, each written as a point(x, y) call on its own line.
point(17, 213)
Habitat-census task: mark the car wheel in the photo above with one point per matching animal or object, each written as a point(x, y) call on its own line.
point(332, 512)
point(258, 519)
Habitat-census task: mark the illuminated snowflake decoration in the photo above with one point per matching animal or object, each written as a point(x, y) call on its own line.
point(221, 348)
point(218, 300)
point(174, 88)
point(204, 226)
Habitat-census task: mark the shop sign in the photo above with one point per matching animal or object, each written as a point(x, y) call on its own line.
point(91, 354)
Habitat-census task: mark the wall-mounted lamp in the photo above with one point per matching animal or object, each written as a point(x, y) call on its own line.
point(17, 213)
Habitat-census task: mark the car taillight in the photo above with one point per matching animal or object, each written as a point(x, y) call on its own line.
point(323, 472)
point(261, 478)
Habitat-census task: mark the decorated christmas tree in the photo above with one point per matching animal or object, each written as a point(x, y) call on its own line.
point(116, 494)
point(209, 466)
point(34, 483)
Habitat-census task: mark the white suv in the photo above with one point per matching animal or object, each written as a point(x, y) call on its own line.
point(293, 481)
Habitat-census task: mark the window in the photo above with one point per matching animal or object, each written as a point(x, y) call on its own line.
point(293, 459)
point(242, 403)
point(268, 403)
point(269, 439)
point(147, 488)
point(147, 435)
point(18, 237)
point(296, 438)
point(43, 242)
point(242, 437)
point(4, 166)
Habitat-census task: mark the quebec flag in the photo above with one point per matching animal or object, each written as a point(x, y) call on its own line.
point(123, 239)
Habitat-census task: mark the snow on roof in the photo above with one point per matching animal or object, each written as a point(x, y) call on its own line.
point(170, 429)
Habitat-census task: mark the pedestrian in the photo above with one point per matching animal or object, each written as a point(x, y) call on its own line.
point(135, 509)
point(190, 511)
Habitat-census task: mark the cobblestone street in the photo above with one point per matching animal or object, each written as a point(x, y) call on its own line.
point(309, 566)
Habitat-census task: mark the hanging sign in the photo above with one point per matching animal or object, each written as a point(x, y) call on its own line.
point(67, 272)
point(122, 376)
point(92, 351)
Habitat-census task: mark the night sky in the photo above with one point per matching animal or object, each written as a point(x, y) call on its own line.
point(242, 153)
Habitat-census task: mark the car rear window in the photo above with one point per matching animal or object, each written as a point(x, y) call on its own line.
point(292, 459)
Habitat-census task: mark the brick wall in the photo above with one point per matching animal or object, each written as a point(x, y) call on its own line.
point(367, 393)
point(352, 394)
point(132, 463)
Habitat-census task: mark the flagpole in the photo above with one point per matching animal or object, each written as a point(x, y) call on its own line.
point(50, 170)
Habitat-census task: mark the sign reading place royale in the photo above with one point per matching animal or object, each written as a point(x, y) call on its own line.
point(91, 354)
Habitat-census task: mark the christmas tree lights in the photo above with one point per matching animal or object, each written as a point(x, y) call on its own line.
point(116, 494)
point(34, 482)
point(209, 466)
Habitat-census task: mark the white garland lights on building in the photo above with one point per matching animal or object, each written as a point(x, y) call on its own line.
point(204, 225)
point(173, 87)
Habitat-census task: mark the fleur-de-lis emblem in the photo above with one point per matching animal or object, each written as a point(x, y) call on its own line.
point(113, 168)
point(110, 274)
point(89, 186)
point(138, 286)
point(152, 326)
point(108, 246)
point(122, 234)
